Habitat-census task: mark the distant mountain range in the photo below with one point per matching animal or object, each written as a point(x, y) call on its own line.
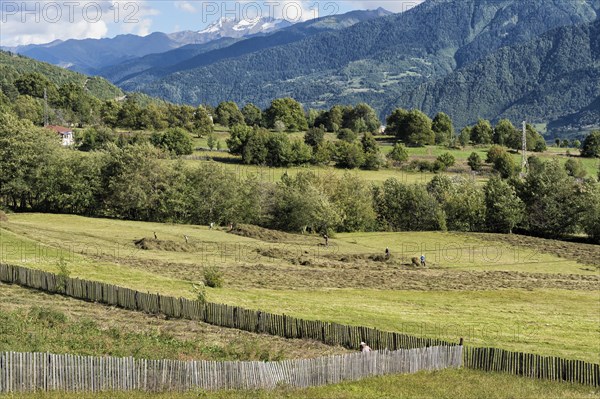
point(90, 55)
point(534, 59)
point(229, 27)
point(135, 73)
point(380, 61)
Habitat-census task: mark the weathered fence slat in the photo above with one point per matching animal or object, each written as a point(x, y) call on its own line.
point(25, 372)
point(532, 366)
point(214, 313)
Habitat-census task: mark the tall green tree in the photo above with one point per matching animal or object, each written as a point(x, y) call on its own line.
point(363, 119)
point(464, 138)
point(203, 123)
point(109, 113)
point(352, 198)
point(504, 132)
point(288, 111)
point(33, 84)
point(228, 114)
point(302, 202)
point(504, 209)
point(590, 219)
point(129, 114)
point(25, 151)
point(252, 114)
point(552, 200)
point(404, 207)
point(411, 127)
point(349, 155)
point(398, 154)
point(443, 128)
point(464, 206)
point(175, 140)
point(314, 136)
point(32, 109)
point(474, 161)
point(482, 132)
point(591, 145)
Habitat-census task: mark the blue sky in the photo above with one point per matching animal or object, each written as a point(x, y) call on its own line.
point(26, 22)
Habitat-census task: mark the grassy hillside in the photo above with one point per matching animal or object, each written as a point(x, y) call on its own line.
point(527, 298)
point(12, 66)
point(35, 321)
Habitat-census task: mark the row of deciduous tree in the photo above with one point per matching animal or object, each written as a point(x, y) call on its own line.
point(136, 182)
point(417, 129)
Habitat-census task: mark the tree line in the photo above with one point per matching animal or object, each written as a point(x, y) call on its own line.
point(139, 181)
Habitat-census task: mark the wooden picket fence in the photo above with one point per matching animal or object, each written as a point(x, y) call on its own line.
point(23, 372)
point(532, 366)
point(487, 359)
point(214, 313)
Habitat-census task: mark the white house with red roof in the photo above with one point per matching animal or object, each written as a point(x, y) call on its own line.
point(66, 134)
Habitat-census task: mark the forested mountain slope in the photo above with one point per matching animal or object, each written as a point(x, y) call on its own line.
point(375, 61)
point(552, 77)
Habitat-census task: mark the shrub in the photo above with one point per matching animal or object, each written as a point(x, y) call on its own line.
point(447, 159)
point(438, 166)
point(398, 154)
point(474, 161)
point(575, 168)
point(211, 141)
point(213, 277)
point(373, 161)
point(176, 140)
point(47, 317)
point(199, 291)
point(63, 275)
point(349, 155)
point(505, 165)
point(494, 153)
point(591, 145)
point(347, 135)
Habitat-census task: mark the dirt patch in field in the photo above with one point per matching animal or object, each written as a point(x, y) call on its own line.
point(587, 254)
point(3, 217)
point(304, 273)
point(163, 245)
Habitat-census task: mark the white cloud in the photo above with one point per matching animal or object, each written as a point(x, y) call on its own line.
point(185, 6)
point(46, 20)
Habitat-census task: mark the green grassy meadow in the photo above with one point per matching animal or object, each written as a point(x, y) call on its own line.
point(528, 299)
point(430, 153)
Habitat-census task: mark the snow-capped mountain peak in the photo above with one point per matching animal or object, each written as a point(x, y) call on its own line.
point(230, 27)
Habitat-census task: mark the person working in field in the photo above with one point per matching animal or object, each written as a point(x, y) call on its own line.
point(326, 237)
point(364, 348)
point(423, 260)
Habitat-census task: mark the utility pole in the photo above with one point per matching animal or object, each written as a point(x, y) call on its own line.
point(524, 165)
point(45, 108)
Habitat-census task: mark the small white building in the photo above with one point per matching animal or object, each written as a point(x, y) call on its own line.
point(66, 134)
